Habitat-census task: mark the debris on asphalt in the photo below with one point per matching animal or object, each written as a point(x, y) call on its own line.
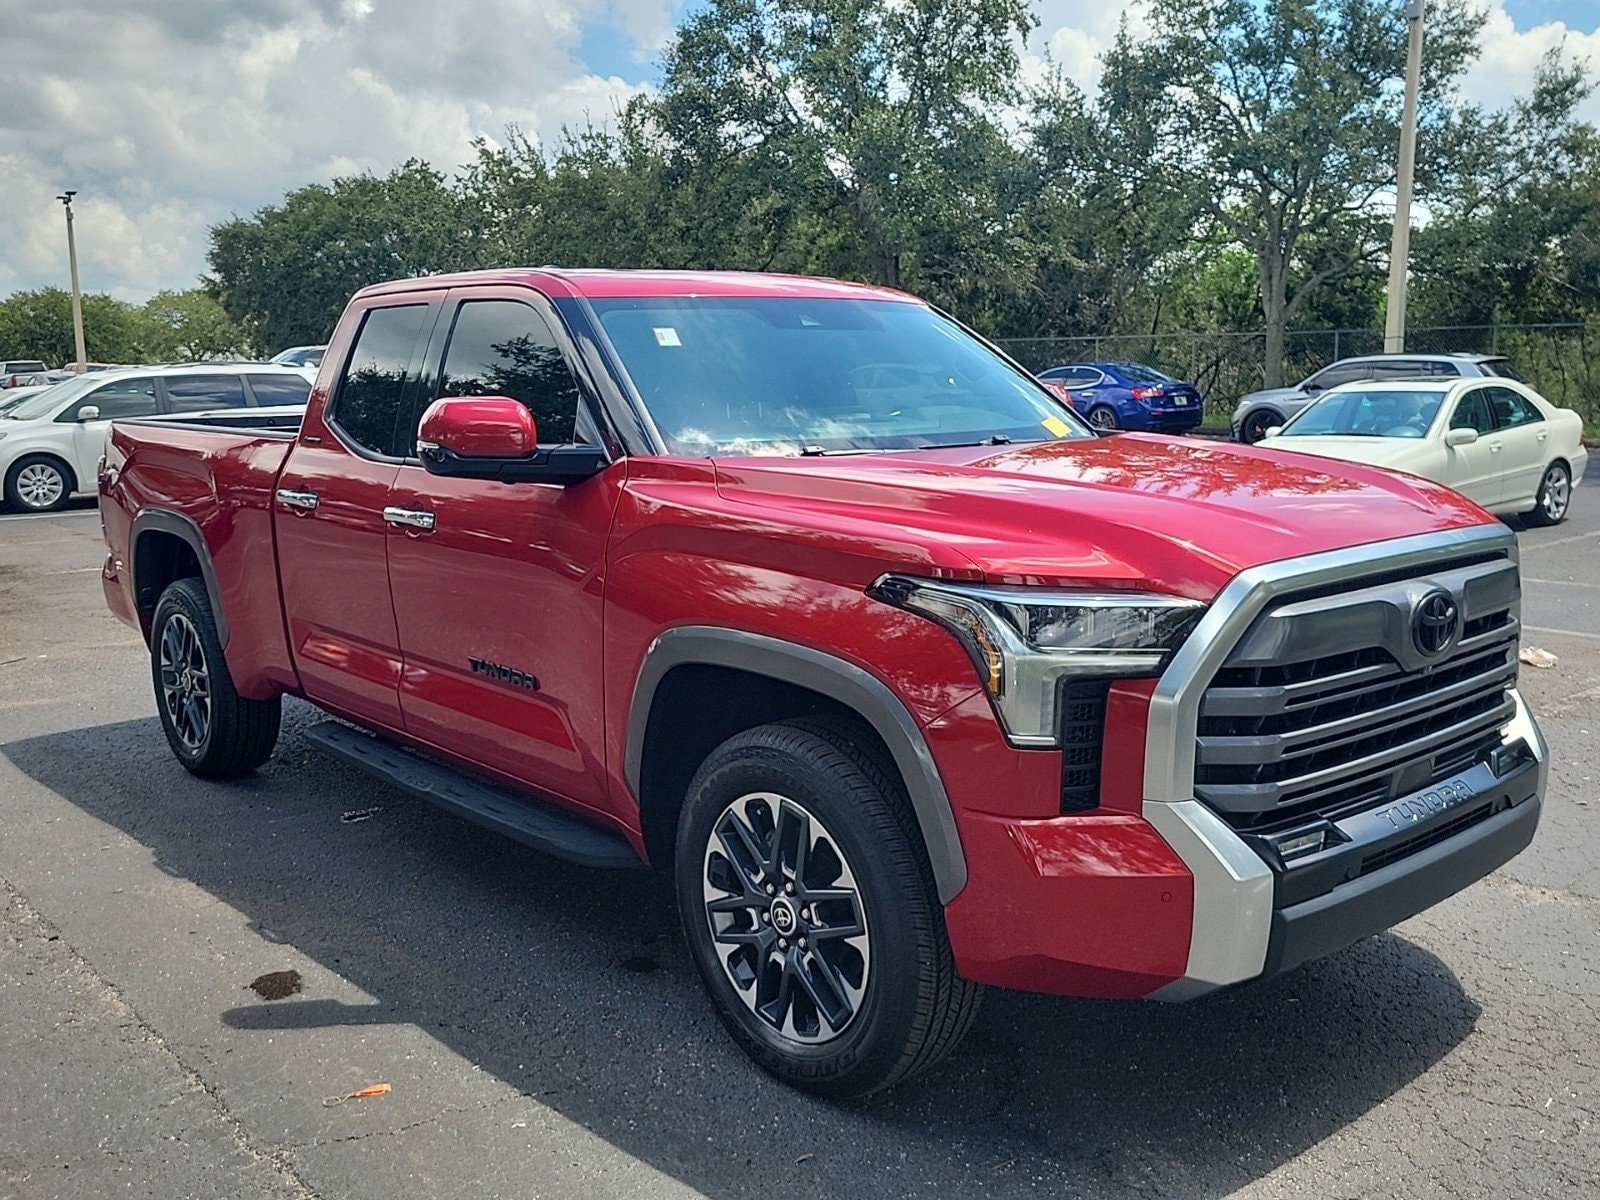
point(805, 1156)
point(366, 1093)
point(1535, 656)
point(359, 814)
point(276, 985)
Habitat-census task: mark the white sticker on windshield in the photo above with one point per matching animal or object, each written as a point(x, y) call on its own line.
point(666, 336)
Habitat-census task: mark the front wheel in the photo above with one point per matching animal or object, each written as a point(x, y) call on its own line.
point(1555, 497)
point(38, 483)
point(810, 911)
point(1255, 425)
point(215, 732)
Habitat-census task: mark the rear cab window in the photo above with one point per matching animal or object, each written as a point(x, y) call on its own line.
point(372, 388)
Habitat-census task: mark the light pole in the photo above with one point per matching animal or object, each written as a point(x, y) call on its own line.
point(77, 301)
point(1394, 329)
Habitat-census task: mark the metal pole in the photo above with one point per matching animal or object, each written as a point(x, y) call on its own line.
point(1394, 330)
point(77, 300)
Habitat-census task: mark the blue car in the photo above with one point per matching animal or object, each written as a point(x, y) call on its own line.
point(1119, 395)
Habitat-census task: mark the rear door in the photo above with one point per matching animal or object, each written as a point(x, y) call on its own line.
point(498, 601)
point(1525, 434)
point(332, 538)
point(1475, 470)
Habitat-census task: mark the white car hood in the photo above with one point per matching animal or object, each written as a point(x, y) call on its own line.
point(1374, 451)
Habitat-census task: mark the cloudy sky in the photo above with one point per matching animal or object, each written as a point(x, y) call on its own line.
point(171, 115)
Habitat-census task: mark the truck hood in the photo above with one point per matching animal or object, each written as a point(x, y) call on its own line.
point(1181, 517)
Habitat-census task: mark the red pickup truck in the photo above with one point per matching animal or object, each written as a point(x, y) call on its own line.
point(802, 592)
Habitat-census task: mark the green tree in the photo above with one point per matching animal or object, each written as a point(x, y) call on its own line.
point(1282, 120)
point(38, 324)
point(288, 271)
point(191, 325)
point(871, 117)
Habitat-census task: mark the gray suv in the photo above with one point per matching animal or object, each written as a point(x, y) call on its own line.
point(1260, 411)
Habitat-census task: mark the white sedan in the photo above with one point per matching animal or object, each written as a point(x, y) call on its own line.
point(1496, 441)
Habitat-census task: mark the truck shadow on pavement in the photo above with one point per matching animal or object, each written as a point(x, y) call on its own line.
point(571, 985)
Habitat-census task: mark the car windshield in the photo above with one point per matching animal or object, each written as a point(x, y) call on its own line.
point(788, 375)
point(1359, 412)
point(1139, 373)
point(42, 404)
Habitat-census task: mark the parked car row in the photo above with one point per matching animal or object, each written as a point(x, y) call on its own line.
point(52, 437)
point(1469, 421)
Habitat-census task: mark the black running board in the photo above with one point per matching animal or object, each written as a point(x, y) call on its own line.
point(530, 822)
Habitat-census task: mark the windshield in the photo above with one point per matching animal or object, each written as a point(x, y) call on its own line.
point(1362, 413)
point(786, 375)
point(42, 404)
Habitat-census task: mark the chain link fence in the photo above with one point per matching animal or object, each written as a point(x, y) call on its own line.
point(1561, 360)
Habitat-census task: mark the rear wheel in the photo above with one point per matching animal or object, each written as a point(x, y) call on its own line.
point(1104, 419)
point(1255, 425)
point(215, 732)
point(38, 483)
point(810, 911)
point(1555, 497)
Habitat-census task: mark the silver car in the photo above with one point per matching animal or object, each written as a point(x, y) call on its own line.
point(1260, 411)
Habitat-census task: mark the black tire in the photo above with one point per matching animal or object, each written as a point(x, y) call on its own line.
point(912, 1008)
point(1554, 500)
point(1103, 418)
point(1256, 424)
point(215, 732)
point(24, 495)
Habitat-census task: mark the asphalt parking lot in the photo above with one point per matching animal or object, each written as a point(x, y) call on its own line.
point(544, 1034)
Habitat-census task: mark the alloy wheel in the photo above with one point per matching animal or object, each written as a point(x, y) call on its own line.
point(1103, 419)
point(185, 682)
point(786, 918)
point(39, 485)
point(1557, 495)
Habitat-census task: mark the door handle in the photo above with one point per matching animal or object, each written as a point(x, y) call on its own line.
point(305, 501)
point(408, 517)
point(1495, 449)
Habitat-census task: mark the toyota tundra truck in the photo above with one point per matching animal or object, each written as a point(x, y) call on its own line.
point(805, 594)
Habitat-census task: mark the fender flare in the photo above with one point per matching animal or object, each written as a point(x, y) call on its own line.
point(155, 520)
point(816, 671)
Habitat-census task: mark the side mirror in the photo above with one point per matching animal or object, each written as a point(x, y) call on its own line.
point(1310, 389)
point(494, 437)
point(1460, 437)
point(1272, 431)
point(89, 412)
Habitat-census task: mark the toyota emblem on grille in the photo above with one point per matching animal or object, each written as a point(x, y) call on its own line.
point(1435, 622)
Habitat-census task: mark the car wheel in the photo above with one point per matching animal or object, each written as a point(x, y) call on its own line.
point(1104, 419)
point(1256, 424)
point(38, 483)
point(215, 732)
point(1555, 497)
point(810, 911)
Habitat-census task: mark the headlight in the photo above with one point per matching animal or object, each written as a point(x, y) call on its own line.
point(1026, 641)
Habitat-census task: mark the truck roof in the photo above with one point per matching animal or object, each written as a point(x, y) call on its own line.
point(603, 284)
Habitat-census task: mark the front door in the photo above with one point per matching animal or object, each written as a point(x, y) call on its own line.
point(1475, 470)
point(135, 397)
point(498, 600)
point(332, 538)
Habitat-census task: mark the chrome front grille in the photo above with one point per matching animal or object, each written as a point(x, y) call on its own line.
point(1327, 705)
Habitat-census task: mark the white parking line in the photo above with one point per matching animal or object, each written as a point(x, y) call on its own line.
point(1571, 633)
point(1559, 582)
point(1577, 537)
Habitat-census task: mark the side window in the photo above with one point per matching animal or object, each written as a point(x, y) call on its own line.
point(280, 389)
point(505, 348)
point(197, 393)
point(367, 406)
point(1340, 373)
point(1472, 412)
point(1441, 367)
point(120, 398)
point(1398, 368)
point(1511, 409)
